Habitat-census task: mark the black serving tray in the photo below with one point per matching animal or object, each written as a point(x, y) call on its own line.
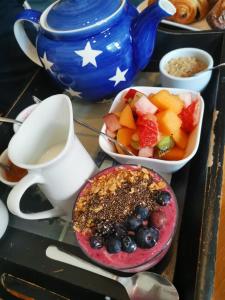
point(191, 260)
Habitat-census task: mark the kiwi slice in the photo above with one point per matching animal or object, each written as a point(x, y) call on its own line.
point(165, 143)
point(135, 144)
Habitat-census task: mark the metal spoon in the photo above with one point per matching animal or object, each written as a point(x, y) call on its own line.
point(209, 69)
point(8, 120)
point(36, 99)
point(123, 148)
point(141, 286)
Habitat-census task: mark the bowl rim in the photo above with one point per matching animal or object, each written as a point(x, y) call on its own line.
point(166, 246)
point(175, 53)
point(137, 159)
point(3, 157)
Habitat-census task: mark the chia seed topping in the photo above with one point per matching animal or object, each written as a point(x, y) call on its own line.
point(111, 197)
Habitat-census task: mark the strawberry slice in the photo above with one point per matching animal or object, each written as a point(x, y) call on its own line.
point(190, 116)
point(112, 122)
point(141, 121)
point(130, 94)
point(147, 130)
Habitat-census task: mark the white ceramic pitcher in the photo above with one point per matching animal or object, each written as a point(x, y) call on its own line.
point(47, 147)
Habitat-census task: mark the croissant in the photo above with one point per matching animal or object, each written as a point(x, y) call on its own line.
point(216, 16)
point(189, 11)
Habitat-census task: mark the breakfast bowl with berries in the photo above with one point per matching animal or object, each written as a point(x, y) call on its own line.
point(125, 218)
point(160, 126)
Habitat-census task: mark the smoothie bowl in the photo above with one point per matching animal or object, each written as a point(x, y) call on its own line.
point(125, 218)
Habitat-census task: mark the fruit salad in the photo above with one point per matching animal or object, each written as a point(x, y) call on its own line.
point(156, 125)
point(125, 218)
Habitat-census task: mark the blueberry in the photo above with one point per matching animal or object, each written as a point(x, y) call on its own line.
point(147, 237)
point(96, 242)
point(133, 223)
point(128, 244)
point(155, 233)
point(113, 245)
point(163, 198)
point(142, 212)
point(119, 230)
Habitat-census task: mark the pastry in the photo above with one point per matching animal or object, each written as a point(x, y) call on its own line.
point(216, 16)
point(189, 11)
point(212, 3)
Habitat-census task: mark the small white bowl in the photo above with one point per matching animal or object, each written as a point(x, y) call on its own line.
point(161, 166)
point(4, 159)
point(23, 115)
point(196, 83)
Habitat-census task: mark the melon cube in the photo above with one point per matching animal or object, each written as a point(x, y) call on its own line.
point(117, 113)
point(164, 100)
point(127, 118)
point(124, 136)
point(119, 150)
point(180, 138)
point(168, 122)
point(174, 153)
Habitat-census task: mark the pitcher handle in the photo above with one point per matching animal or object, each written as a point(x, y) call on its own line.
point(32, 16)
point(14, 197)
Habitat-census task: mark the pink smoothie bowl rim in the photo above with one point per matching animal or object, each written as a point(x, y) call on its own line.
point(168, 242)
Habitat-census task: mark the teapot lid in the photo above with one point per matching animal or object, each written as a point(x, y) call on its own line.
point(66, 15)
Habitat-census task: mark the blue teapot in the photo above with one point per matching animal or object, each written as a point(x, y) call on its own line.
point(92, 48)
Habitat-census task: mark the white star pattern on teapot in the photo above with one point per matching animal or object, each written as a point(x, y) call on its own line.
point(89, 55)
point(73, 93)
point(47, 64)
point(119, 76)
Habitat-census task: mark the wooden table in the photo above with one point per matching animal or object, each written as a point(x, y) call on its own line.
point(219, 283)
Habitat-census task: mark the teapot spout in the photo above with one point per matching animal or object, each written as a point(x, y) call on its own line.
point(144, 29)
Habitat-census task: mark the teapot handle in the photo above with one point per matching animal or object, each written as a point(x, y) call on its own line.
point(26, 45)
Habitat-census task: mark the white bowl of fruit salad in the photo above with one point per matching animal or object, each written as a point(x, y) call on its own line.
point(161, 126)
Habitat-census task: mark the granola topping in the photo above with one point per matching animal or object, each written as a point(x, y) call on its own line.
point(112, 197)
